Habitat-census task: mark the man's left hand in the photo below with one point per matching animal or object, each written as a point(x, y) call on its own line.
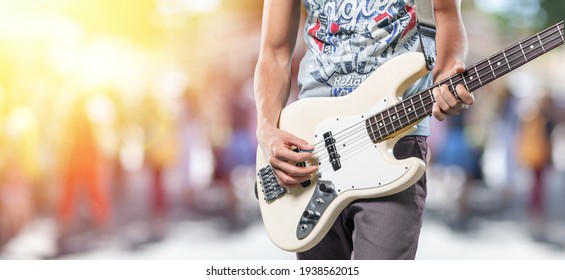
point(448, 103)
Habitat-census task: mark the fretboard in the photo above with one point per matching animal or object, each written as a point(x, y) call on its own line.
point(413, 109)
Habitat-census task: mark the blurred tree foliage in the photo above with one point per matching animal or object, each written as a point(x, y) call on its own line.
point(554, 11)
point(523, 16)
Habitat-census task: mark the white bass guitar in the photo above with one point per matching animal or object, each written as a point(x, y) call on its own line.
point(354, 136)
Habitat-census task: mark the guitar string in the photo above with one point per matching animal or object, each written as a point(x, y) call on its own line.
point(535, 52)
point(344, 151)
point(346, 154)
point(478, 71)
point(461, 78)
point(456, 79)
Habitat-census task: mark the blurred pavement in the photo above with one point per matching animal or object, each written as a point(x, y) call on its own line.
point(207, 240)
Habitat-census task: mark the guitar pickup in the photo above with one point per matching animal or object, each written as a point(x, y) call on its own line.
point(271, 187)
point(332, 151)
point(302, 164)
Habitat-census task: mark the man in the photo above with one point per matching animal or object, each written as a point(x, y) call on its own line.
point(348, 40)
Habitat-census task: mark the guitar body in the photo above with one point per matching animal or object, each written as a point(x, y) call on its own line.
point(364, 170)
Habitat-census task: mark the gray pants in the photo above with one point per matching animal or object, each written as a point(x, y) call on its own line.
point(384, 228)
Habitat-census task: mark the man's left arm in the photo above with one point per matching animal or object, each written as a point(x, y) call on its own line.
point(451, 44)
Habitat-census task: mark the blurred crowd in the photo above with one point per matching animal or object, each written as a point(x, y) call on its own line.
point(111, 139)
point(108, 137)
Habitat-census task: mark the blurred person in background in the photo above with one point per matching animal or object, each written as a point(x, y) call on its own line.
point(161, 153)
point(19, 170)
point(361, 35)
point(456, 149)
point(81, 181)
point(533, 152)
point(498, 162)
point(196, 160)
point(231, 131)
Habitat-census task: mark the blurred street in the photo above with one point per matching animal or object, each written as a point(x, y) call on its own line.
point(493, 234)
point(204, 241)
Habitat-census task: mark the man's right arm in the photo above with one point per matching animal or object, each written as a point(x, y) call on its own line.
point(272, 81)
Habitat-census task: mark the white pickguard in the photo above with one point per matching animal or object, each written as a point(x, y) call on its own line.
point(362, 165)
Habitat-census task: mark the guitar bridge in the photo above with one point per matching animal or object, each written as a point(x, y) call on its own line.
point(271, 187)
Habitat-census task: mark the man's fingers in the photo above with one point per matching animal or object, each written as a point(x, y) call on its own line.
point(301, 144)
point(286, 154)
point(438, 113)
point(444, 99)
point(465, 96)
point(289, 174)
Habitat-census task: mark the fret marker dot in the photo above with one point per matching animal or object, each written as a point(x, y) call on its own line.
point(394, 117)
point(380, 124)
point(409, 109)
point(471, 77)
point(532, 46)
point(498, 63)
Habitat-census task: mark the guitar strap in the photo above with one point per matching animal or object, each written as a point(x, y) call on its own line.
point(427, 29)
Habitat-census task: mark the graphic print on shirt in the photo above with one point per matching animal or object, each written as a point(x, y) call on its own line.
point(351, 38)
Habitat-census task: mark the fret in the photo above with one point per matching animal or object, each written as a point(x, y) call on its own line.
point(459, 79)
point(491, 69)
point(404, 112)
point(471, 77)
point(485, 74)
point(546, 40)
point(422, 111)
point(428, 105)
point(478, 74)
point(515, 57)
point(560, 31)
point(522, 50)
point(394, 116)
point(398, 117)
point(423, 105)
point(427, 101)
point(540, 42)
point(532, 48)
point(391, 118)
point(412, 109)
point(416, 109)
point(400, 113)
point(506, 59)
point(376, 126)
point(370, 128)
point(390, 123)
point(501, 67)
point(382, 124)
point(377, 129)
point(464, 81)
point(450, 85)
point(555, 40)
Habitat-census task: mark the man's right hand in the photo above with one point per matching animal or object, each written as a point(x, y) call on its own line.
point(277, 145)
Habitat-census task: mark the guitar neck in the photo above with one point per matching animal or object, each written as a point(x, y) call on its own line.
point(413, 109)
